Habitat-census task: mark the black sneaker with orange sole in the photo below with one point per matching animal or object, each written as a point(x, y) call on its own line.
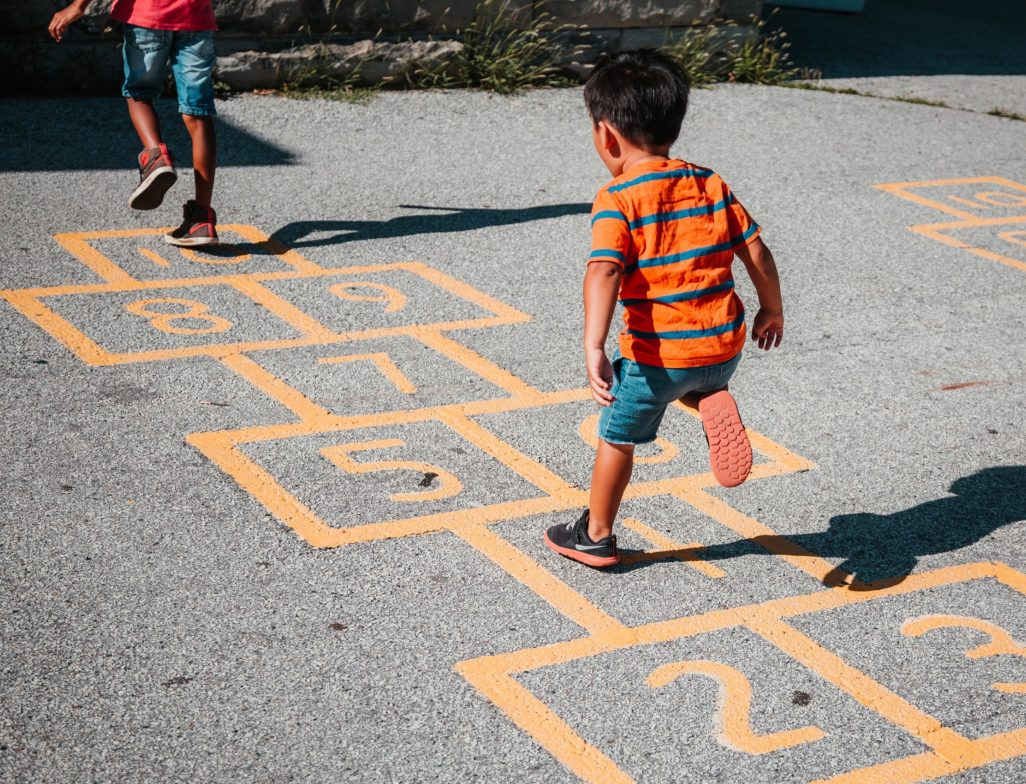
point(199, 227)
point(156, 175)
point(572, 541)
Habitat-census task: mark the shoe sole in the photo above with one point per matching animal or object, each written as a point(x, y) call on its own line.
point(576, 555)
point(190, 242)
point(730, 452)
point(150, 193)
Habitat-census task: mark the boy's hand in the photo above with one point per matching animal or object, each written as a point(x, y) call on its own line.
point(768, 328)
point(63, 19)
point(600, 376)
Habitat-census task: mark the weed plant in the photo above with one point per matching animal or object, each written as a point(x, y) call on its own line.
point(721, 51)
point(314, 78)
point(507, 48)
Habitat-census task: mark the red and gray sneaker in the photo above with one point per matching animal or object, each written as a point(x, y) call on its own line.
point(199, 227)
point(572, 541)
point(156, 174)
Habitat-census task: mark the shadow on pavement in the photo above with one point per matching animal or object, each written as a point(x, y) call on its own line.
point(910, 37)
point(446, 220)
point(884, 549)
point(76, 134)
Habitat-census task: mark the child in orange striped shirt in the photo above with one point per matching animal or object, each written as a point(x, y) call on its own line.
point(664, 236)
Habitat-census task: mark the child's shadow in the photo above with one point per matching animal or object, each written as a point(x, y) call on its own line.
point(882, 550)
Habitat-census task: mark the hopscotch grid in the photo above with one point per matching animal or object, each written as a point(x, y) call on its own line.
point(967, 220)
point(493, 675)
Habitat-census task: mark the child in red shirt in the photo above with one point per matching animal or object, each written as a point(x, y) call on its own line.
point(158, 31)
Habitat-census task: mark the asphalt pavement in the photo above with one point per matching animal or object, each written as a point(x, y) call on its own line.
point(275, 513)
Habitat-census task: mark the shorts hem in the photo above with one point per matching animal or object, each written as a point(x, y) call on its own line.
point(628, 443)
point(196, 111)
point(141, 95)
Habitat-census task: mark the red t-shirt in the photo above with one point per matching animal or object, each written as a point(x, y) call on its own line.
point(184, 15)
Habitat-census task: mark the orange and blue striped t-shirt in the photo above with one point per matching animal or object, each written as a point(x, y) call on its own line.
point(673, 228)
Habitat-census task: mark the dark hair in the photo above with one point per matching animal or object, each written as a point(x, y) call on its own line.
point(643, 94)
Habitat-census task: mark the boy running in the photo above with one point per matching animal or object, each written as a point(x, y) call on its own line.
point(664, 236)
point(157, 31)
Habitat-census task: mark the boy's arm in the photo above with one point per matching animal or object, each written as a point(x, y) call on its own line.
point(768, 327)
point(62, 19)
point(601, 287)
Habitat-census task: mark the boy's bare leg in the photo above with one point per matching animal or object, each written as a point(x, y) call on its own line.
point(145, 122)
point(609, 479)
point(204, 155)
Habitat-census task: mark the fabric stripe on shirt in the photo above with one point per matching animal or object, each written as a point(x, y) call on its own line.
point(609, 214)
point(689, 334)
point(667, 175)
point(682, 296)
point(607, 253)
point(694, 253)
point(666, 217)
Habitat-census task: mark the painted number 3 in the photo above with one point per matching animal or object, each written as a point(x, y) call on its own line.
point(179, 316)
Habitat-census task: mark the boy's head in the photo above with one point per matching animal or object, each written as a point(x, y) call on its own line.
point(642, 95)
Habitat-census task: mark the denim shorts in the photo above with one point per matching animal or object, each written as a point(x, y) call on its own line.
point(191, 54)
point(643, 392)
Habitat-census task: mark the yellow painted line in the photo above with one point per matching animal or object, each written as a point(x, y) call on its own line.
point(287, 255)
point(526, 467)
point(543, 583)
point(950, 745)
point(715, 620)
point(153, 256)
point(935, 232)
point(508, 314)
point(86, 349)
point(283, 309)
point(766, 537)
point(669, 548)
point(473, 361)
point(931, 766)
point(77, 244)
point(901, 189)
point(274, 387)
point(384, 363)
point(536, 719)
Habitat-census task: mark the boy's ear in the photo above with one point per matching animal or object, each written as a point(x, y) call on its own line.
point(608, 138)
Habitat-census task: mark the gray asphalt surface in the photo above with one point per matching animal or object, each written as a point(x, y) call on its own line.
point(161, 624)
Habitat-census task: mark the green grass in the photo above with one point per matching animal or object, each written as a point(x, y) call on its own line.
point(997, 112)
point(920, 101)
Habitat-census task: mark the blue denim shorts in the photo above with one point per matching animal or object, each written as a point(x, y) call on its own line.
point(643, 392)
point(191, 54)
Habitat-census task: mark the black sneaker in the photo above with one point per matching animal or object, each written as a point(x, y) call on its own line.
point(156, 174)
point(572, 541)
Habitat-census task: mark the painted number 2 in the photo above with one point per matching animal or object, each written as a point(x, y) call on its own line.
point(733, 707)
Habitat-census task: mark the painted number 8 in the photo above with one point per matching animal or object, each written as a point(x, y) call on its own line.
point(174, 321)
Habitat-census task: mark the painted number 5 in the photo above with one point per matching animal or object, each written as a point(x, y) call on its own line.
point(441, 483)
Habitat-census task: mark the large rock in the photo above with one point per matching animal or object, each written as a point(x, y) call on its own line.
point(376, 62)
point(269, 16)
point(410, 15)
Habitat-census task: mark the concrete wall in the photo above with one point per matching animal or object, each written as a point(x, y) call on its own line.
point(88, 59)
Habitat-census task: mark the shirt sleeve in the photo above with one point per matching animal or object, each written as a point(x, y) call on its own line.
point(610, 231)
point(743, 230)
